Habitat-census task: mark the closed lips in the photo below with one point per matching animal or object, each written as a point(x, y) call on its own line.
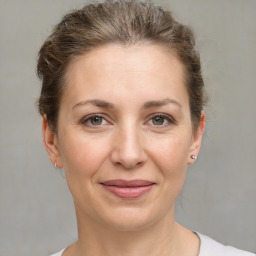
point(126, 183)
point(128, 189)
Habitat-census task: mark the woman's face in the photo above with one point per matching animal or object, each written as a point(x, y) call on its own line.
point(124, 135)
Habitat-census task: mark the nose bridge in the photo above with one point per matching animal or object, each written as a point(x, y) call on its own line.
point(128, 150)
point(129, 139)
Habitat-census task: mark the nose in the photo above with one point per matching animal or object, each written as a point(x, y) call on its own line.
point(128, 150)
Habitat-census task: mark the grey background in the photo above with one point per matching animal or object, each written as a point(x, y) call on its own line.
point(37, 215)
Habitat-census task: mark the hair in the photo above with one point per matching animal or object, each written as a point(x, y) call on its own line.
point(124, 22)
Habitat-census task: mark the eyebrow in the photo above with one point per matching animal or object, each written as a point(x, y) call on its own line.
point(146, 105)
point(95, 102)
point(160, 103)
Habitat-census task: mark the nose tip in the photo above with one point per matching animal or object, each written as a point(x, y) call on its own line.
point(128, 152)
point(129, 161)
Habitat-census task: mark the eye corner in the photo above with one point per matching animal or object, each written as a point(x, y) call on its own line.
point(100, 120)
point(165, 120)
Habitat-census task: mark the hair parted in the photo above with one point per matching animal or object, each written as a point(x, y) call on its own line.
point(125, 22)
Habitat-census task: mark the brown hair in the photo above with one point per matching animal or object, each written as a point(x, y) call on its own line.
point(126, 22)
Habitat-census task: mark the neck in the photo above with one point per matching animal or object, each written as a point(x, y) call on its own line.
point(160, 238)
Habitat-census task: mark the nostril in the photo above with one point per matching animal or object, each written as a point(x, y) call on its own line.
point(129, 165)
point(128, 161)
point(127, 148)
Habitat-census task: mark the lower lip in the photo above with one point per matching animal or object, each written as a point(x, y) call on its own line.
point(128, 192)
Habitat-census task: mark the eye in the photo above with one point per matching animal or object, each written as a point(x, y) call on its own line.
point(161, 120)
point(158, 120)
point(94, 120)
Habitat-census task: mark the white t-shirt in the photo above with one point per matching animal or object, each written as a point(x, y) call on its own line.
point(208, 247)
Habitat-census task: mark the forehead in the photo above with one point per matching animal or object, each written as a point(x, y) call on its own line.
point(115, 70)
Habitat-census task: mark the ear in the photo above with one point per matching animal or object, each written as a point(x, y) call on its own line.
point(196, 140)
point(51, 143)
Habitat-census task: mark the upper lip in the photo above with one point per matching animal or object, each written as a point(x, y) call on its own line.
point(127, 183)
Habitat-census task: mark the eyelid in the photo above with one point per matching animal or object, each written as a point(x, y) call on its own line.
point(169, 118)
point(88, 117)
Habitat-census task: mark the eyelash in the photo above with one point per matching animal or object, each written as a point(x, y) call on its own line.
point(88, 118)
point(167, 118)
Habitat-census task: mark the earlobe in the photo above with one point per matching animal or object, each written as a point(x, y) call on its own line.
point(51, 143)
point(196, 140)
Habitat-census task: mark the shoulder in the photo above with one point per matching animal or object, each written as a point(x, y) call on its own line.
point(58, 253)
point(210, 247)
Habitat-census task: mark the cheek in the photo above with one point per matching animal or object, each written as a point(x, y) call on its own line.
point(82, 156)
point(172, 151)
point(170, 156)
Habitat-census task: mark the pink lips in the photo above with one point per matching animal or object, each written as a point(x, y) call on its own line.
point(128, 189)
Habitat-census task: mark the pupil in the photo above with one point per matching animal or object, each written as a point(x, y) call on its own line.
point(96, 120)
point(158, 120)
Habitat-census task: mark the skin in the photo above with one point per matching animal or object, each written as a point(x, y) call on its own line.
point(144, 131)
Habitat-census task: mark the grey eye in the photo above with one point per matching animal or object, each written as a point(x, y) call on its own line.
point(96, 120)
point(158, 120)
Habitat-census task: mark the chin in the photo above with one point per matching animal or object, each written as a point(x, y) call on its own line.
point(129, 219)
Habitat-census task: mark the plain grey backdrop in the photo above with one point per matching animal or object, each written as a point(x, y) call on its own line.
point(37, 215)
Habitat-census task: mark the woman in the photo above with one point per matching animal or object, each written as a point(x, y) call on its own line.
point(122, 104)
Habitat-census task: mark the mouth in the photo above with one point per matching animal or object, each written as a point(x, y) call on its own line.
point(128, 189)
